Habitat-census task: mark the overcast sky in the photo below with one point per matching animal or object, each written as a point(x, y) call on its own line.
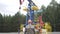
point(10, 7)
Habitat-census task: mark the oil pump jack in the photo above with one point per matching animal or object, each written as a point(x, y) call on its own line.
point(30, 13)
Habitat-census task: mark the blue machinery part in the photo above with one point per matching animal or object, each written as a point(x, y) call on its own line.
point(30, 13)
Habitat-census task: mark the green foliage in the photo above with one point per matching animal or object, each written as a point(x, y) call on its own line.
point(1, 23)
point(11, 23)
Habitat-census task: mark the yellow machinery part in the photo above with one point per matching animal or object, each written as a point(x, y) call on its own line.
point(34, 8)
point(48, 27)
point(25, 9)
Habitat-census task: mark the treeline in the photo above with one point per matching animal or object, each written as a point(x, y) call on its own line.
point(11, 23)
point(51, 14)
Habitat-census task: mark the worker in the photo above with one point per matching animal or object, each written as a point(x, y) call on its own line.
point(30, 27)
point(37, 27)
point(29, 24)
point(24, 29)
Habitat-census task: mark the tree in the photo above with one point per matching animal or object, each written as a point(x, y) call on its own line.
point(17, 20)
point(52, 14)
point(1, 23)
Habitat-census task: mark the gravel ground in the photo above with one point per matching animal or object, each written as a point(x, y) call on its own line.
point(22, 33)
point(12, 33)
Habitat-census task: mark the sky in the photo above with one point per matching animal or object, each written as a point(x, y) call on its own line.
point(11, 7)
